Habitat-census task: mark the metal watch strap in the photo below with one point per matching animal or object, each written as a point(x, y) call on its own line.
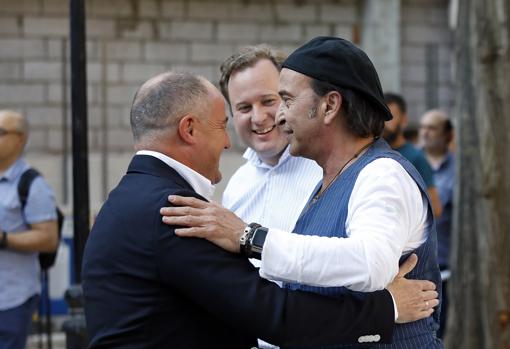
point(244, 240)
point(256, 243)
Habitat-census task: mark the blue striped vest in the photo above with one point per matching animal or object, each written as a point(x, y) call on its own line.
point(319, 217)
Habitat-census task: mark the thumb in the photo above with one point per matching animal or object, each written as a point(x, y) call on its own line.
point(407, 266)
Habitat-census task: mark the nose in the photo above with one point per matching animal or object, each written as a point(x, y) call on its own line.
point(280, 116)
point(258, 115)
point(227, 141)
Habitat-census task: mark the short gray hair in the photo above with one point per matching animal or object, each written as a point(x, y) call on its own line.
point(162, 101)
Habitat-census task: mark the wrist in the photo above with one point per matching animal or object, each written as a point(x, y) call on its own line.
point(3, 240)
point(252, 241)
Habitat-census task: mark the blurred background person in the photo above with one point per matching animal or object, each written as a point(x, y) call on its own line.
point(394, 135)
point(23, 233)
point(436, 134)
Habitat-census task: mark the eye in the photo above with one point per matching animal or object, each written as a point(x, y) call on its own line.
point(269, 101)
point(244, 108)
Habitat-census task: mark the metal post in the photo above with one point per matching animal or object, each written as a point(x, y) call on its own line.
point(81, 211)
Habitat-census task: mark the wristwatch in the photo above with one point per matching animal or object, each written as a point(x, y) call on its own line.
point(252, 240)
point(3, 240)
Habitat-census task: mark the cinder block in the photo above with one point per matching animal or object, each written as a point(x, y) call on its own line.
point(188, 30)
point(313, 30)
point(208, 71)
point(338, 13)
point(124, 50)
point(10, 70)
point(46, 26)
point(261, 12)
point(55, 139)
point(21, 48)
point(95, 72)
point(10, 25)
point(130, 29)
point(101, 28)
point(21, 6)
point(120, 139)
point(55, 93)
point(172, 9)
point(210, 9)
point(413, 54)
point(413, 74)
point(60, 7)
point(116, 8)
point(344, 31)
point(121, 95)
point(281, 33)
point(25, 94)
point(148, 8)
point(210, 52)
point(297, 12)
point(44, 116)
point(247, 32)
point(139, 73)
point(423, 34)
point(42, 70)
point(165, 52)
point(37, 141)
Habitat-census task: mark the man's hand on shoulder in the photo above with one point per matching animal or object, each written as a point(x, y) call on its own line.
point(203, 219)
point(415, 299)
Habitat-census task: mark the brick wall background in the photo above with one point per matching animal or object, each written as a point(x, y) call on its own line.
point(130, 40)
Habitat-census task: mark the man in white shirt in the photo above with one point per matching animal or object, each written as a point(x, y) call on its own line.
point(387, 215)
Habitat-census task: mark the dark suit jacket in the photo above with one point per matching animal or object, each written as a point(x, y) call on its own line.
point(145, 287)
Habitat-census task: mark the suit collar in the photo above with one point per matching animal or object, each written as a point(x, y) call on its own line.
point(147, 164)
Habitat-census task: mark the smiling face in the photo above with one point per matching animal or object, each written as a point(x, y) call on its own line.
point(12, 138)
point(213, 136)
point(298, 114)
point(253, 95)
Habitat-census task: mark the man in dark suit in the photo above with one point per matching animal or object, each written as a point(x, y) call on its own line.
point(145, 287)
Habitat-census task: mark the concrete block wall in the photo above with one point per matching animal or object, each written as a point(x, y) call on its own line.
point(129, 41)
point(426, 56)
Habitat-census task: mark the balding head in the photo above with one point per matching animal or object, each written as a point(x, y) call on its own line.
point(15, 120)
point(13, 137)
point(436, 131)
point(162, 101)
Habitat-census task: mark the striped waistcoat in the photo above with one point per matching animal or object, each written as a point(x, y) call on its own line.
point(328, 216)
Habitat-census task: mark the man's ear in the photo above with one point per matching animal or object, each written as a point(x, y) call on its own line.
point(404, 120)
point(332, 103)
point(186, 129)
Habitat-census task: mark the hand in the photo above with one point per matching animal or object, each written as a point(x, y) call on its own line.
point(204, 219)
point(415, 299)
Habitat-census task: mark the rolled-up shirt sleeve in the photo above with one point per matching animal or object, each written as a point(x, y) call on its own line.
point(386, 217)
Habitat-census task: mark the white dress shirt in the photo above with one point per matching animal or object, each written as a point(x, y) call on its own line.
point(386, 218)
point(199, 183)
point(273, 196)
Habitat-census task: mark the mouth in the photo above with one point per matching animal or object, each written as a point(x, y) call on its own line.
point(264, 130)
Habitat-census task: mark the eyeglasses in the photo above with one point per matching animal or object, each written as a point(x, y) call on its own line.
point(4, 132)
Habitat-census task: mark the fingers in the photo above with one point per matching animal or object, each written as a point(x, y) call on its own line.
point(198, 232)
point(185, 220)
point(187, 201)
point(180, 211)
point(407, 266)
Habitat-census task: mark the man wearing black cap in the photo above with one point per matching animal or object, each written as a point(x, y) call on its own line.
point(333, 112)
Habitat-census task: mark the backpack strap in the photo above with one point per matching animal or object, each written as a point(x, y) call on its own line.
point(24, 186)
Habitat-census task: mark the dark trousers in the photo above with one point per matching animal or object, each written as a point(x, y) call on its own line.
point(15, 324)
point(444, 310)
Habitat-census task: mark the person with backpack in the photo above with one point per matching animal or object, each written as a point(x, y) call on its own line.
point(28, 226)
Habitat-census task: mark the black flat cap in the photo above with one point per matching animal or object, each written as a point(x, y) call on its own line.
point(342, 64)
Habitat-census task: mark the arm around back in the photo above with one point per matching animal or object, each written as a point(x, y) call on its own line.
point(229, 287)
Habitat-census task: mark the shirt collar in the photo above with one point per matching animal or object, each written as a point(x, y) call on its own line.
point(14, 170)
point(251, 156)
point(199, 183)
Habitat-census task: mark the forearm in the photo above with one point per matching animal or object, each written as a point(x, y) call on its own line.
point(42, 238)
point(356, 263)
